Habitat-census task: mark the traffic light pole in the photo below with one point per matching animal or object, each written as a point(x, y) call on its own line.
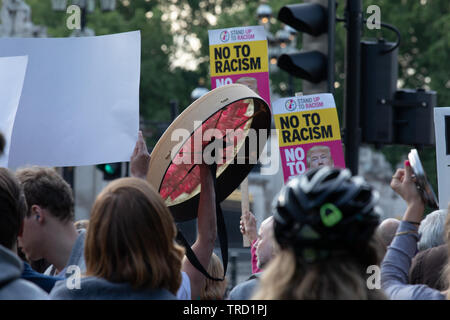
point(352, 131)
point(331, 44)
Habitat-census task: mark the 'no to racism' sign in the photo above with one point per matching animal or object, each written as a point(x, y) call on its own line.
point(308, 133)
point(240, 55)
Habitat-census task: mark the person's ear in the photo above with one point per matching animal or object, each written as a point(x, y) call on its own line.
point(38, 213)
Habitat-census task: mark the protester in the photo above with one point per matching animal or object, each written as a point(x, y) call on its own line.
point(49, 230)
point(264, 244)
point(264, 252)
point(397, 262)
point(324, 223)
point(212, 289)
point(44, 282)
point(431, 230)
point(192, 279)
point(130, 247)
point(387, 229)
point(428, 267)
point(206, 232)
point(13, 209)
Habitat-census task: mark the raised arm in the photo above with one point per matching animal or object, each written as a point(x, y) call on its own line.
point(140, 159)
point(397, 261)
point(207, 231)
point(248, 226)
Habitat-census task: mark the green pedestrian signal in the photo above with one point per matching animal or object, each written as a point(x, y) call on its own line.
point(111, 171)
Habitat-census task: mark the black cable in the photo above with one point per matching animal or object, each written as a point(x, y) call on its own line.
point(385, 25)
point(399, 37)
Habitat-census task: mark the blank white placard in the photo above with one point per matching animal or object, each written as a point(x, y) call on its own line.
point(12, 75)
point(80, 100)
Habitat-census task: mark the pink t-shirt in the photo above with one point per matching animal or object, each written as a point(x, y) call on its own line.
point(255, 268)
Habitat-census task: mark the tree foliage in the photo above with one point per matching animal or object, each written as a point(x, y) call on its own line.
point(174, 29)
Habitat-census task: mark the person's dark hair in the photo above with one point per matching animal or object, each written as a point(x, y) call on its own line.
point(324, 223)
point(46, 188)
point(13, 208)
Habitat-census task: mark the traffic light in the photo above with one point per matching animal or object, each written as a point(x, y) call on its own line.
point(379, 73)
point(315, 62)
point(413, 117)
point(111, 171)
point(388, 115)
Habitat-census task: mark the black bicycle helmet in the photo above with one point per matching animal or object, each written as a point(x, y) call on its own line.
point(325, 211)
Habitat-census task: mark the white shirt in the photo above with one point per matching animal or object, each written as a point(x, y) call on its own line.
point(184, 292)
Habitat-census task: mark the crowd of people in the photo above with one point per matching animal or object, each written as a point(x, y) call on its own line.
point(322, 237)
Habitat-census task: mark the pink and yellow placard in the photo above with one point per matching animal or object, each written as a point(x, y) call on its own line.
point(308, 133)
point(240, 55)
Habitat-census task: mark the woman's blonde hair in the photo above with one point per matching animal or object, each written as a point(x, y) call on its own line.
point(214, 290)
point(131, 237)
point(342, 277)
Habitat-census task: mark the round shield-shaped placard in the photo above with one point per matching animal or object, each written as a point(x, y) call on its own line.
point(228, 126)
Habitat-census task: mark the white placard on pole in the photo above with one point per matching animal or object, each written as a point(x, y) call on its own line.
point(442, 133)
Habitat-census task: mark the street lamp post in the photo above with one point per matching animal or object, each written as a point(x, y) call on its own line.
point(15, 16)
point(59, 5)
point(198, 92)
point(264, 13)
point(108, 5)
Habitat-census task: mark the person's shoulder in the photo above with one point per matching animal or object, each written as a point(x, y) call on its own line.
point(21, 289)
point(434, 255)
point(413, 292)
point(59, 289)
point(94, 288)
point(424, 292)
point(244, 290)
point(439, 251)
point(72, 289)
